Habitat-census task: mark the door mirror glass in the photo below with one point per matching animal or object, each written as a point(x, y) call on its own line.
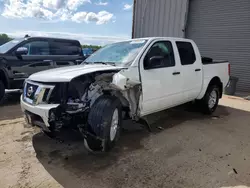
point(21, 51)
point(153, 62)
point(156, 60)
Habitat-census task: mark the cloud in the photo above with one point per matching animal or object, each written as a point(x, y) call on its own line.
point(127, 7)
point(54, 4)
point(17, 9)
point(82, 37)
point(54, 10)
point(74, 4)
point(102, 3)
point(101, 17)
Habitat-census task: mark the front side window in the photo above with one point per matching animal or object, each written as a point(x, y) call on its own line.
point(159, 55)
point(118, 54)
point(37, 48)
point(65, 48)
point(186, 52)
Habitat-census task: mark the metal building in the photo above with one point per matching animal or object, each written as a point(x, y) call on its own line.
point(221, 28)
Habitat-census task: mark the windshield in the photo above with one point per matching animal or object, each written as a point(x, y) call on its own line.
point(118, 54)
point(7, 46)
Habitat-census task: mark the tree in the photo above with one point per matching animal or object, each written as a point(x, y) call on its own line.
point(4, 38)
point(91, 46)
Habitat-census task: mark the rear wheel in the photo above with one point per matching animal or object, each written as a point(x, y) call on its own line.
point(210, 101)
point(104, 120)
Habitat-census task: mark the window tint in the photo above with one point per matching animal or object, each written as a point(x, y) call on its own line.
point(37, 48)
point(186, 52)
point(162, 55)
point(65, 48)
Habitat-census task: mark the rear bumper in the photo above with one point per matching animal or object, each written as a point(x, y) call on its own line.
point(41, 111)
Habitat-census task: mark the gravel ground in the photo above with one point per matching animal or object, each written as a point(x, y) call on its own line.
point(187, 150)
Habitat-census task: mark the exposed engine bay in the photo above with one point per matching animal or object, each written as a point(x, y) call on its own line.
point(82, 93)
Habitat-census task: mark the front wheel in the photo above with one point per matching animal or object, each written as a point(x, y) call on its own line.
point(104, 120)
point(2, 92)
point(210, 101)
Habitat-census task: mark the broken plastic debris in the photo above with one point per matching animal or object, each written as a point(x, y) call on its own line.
point(215, 117)
point(161, 128)
point(235, 171)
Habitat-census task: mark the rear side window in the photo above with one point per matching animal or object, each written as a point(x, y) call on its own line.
point(186, 52)
point(65, 48)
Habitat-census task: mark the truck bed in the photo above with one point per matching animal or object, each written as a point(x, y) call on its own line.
point(208, 60)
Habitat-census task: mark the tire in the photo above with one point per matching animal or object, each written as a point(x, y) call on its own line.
point(210, 101)
point(2, 92)
point(104, 119)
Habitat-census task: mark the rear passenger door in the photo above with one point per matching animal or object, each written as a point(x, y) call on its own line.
point(65, 53)
point(191, 70)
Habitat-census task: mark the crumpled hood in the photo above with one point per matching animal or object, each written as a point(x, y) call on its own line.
point(66, 74)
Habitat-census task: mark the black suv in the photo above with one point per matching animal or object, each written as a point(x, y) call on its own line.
point(20, 58)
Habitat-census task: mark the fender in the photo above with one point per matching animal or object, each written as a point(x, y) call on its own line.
point(207, 83)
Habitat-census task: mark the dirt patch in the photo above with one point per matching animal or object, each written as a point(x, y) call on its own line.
point(188, 150)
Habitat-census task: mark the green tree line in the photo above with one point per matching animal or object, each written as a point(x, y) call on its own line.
point(91, 46)
point(4, 38)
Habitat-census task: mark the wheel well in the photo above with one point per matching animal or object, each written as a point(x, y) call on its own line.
point(216, 81)
point(3, 78)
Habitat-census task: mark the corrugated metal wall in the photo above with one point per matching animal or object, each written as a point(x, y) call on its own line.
point(159, 18)
point(221, 29)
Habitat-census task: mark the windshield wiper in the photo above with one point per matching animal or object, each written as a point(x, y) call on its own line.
point(101, 62)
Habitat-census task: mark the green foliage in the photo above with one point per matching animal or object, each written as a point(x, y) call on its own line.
point(4, 38)
point(91, 46)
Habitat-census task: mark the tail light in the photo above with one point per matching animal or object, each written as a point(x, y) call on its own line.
point(229, 69)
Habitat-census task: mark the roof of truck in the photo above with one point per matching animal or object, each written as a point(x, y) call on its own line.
point(165, 38)
point(55, 38)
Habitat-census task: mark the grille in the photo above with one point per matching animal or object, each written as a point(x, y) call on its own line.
point(30, 90)
point(37, 93)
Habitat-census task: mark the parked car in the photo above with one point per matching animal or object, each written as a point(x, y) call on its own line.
point(87, 52)
point(129, 79)
point(20, 58)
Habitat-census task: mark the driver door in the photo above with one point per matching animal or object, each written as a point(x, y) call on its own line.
point(160, 78)
point(37, 59)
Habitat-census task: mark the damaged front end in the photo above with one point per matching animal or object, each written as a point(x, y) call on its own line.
point(72, 101)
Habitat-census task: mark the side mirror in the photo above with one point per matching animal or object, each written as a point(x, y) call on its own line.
point(21, 51)
point(153, 62)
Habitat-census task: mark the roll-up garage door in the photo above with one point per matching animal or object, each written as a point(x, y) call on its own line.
point(221, 29)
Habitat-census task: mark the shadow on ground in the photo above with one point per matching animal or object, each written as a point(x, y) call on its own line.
point(68, 156)
point(10, 109)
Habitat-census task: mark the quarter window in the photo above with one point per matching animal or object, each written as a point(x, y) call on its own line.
point(186, 52)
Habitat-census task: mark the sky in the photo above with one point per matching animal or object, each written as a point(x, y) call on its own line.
point(97, 22)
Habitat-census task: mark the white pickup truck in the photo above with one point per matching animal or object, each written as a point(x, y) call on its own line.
point(132, 79)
